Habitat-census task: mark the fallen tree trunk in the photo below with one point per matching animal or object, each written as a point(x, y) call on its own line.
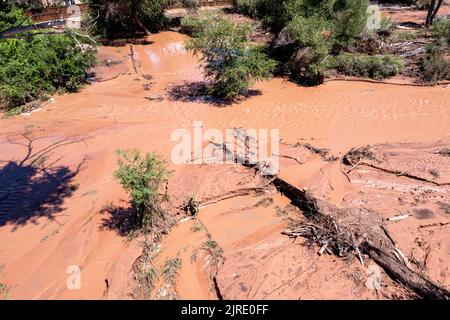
point(357, 231)
point(11, 32)
point(411, 279)
point(344, 232)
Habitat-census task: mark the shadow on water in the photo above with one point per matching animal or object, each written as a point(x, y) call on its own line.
point(34, 186)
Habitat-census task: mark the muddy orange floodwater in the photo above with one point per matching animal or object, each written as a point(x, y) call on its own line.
point(49, 217)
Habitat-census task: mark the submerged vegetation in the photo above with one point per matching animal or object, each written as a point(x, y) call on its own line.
point(36, 65)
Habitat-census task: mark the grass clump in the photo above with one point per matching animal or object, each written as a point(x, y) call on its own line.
point(387, 26)
point(197, 227)
point(441, 30)
point(143, 178)
point(361, 65)
point(232, 64)
point(213, 249)
point(170, 270)
point(4, 291)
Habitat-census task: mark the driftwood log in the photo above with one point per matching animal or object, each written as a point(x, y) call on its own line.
point(345, 231)
point(359, 231)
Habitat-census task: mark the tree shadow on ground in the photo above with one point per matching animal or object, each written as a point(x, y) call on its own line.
point(198, 92)
point(34, 186)
point(120, 219)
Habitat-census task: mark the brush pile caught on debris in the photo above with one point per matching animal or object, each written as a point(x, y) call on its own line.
point(357, 231)
point(329, 236)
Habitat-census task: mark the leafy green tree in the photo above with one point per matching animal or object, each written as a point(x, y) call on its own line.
point(143, 178)
point(112, 18)
point(11, 16)
point(231, 62)
point(315, 28)
point(37, 65)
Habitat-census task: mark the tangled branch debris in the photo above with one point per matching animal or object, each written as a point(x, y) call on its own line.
point(351, 231)
point(356, 231)
point(364, 156)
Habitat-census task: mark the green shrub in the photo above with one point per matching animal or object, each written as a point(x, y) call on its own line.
point(272, 13)
point(361, 65)
point(143, 178)
point(307, 65)
point(348, 17)
point(11, 17)
point(116, 18)
point(38, 65)
point(44, 64)
point(248, 7)
point(441, 29)
point(319, 28)
point(349, 20)
point(113, 18)
point(435, 66)
point(231, 62)
point(192, 26)
point(387, 26)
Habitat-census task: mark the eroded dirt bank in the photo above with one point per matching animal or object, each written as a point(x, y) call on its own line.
point(50, 218)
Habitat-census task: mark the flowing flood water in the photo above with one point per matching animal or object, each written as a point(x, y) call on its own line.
point(133, 105)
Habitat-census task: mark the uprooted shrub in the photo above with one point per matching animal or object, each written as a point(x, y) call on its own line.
point(361, 65)
point(231, 62)
point(36, 66)
point(143, 177)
